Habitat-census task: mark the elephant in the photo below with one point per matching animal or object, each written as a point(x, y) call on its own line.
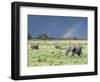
point(35, 46)
point(74, 49)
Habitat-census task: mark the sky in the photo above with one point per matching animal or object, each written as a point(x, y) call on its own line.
point(58, 26)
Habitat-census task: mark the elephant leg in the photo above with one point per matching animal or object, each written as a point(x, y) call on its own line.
point(67, 53)
point(78, 54)
point(73, 53)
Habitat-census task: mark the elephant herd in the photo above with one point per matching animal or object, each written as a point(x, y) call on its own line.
point(72, 48)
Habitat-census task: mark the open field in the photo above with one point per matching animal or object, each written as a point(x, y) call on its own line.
point(48, 55)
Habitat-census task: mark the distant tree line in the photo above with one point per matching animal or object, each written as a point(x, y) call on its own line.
point(42, 36)
point(45, 36)
point(30, 36)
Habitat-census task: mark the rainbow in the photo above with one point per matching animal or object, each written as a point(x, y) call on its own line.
point(72, 29)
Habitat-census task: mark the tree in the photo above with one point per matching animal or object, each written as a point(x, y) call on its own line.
point(29, 36)
point(43, 36)
point(75, 38)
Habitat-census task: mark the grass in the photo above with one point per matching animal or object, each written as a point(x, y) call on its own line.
point(48, 55)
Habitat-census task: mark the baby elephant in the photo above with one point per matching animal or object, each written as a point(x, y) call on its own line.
point(57, 46)
point(68, 49)
point(75, 49)
point(35, 46)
